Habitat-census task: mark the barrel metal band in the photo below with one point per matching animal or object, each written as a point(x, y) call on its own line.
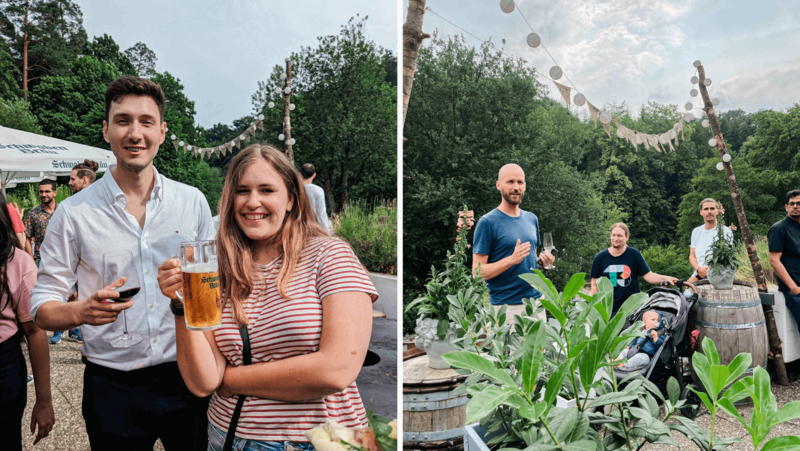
point(433, 436)
point(731, 326)
point(729, 305)
point(436, 405)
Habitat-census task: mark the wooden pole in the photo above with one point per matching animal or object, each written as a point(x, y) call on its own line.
point(747, 235)
point(412, 41)
point(287, 100)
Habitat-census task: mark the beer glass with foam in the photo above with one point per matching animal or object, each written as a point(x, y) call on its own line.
point(200, 293)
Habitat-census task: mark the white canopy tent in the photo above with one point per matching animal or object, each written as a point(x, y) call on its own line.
point(29, 158)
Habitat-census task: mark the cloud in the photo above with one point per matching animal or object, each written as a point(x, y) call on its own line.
point(774, 87)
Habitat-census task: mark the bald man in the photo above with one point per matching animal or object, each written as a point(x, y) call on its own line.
point(504, 238)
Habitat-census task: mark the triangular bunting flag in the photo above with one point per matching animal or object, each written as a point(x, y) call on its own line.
point(668, 139)
point(236, 142)
point(632, 139)
point(607, 128)
point(564, 90)
point(260, 124)
point(594, 112)
point(645, 140)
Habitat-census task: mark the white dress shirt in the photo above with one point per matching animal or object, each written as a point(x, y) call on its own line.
point(94, 221)
point(316, 195)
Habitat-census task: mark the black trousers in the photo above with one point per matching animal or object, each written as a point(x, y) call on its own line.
point(13, 393)
point(129, 410)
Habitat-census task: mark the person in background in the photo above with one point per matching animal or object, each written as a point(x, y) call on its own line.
point(17, 278)
point(784, 253)
point(623, 265)
point(39, 217)
point(703, 237)
point(316, 195)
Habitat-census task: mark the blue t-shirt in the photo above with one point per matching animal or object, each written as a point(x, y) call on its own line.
point(496, 236)
point(623, 272)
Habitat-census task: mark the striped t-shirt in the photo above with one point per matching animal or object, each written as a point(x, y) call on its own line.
point(280, 329)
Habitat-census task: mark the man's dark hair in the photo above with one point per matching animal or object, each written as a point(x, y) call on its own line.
point(129, 85)
point(49, 182)
point(87, 169)
point(791, 194)
point(307, 170)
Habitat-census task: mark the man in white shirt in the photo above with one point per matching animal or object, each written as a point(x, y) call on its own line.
point(316, 195)
point(703, 237)
point(131, 396)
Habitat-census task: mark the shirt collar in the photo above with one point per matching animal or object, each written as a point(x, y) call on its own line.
point(116, 192)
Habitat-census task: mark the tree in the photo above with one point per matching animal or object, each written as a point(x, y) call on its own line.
point(143, 59)
point(105, 49)
point(16, 114)
point(9, 75)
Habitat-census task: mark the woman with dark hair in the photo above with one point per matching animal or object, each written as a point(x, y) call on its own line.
point(299, 297)
point(17, 278)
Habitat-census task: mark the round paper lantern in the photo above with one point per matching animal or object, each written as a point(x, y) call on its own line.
point(292, 141)
point(619, 133)
point(579, 99)
point(291, 107)
point(712, 142)
point(720, 166)
point(173, 137)
point(715, 101)
point(688, 117)
point(707, 82)
point(189, 147)
point(695, 80)
point(605, 117)
point(705, 122)
point(534, 40)
point(555, 72)
point(726, 158)
point(181, 143)
point(507, 6)
point(697, 63)
point(688, 106)
point(283, 76)
point(261, 116)
point(288, 90)
point(281, 137)
point(271, 104)
point(693, 93)
point(278, 90)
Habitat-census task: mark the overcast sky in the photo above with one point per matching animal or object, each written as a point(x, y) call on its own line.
point(221, 49)
point(642, 50)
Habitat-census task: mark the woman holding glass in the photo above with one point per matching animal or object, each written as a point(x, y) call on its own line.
point(17, 278)
point(306, 303)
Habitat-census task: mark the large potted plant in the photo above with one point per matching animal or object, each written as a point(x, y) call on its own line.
point(517, 409)
point(722, 258)
point(452, 300)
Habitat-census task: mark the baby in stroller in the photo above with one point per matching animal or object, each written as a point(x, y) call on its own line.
point(642, 349)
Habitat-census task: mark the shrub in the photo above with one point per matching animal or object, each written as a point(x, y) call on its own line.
point(668, 261)
point(745, 271)
point(372, 231)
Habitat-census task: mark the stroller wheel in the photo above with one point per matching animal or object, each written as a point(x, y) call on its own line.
point(693, 403)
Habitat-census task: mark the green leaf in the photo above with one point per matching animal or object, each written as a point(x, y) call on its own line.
point(651, 403)
point(719, 376)
point(613, 398)
point(533, 412)
point(564, 423)
point(788, 412)
point(604, 304)
point(731, 410)
point(710, 351)
point(486, 401)
point(580, 445)
point(703, 371)
point(474, 362)
point(555, 382)
point(581, 427)
point(785, 443)
point(575, 284)
point(532, 356)
point(704, 397)
point(739, 390)
point(761, 385)
point(441, 328)
point(604, 285)
point(738, 366)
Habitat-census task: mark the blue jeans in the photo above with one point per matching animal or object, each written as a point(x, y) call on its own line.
point(216, 440)
point(793, 305)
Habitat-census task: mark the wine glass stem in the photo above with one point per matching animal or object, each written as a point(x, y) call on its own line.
point(124, 323)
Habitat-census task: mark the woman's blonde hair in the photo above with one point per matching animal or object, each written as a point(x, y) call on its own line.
point(237, 269)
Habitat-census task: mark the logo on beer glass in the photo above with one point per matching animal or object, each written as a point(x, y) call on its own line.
point(200, 293)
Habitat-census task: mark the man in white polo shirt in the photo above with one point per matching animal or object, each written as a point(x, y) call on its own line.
point(703, 237)
point(131, 396)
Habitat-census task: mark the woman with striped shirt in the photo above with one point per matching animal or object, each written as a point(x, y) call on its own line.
point(306, 301)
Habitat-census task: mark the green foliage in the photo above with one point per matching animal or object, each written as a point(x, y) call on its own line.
point(9, 75)
point(143, 59)
point(17, 114)
point(745, 271)
point(103, 48)
point(454, 294)
point(668, 260)
point(722, 253)
point(372, 232)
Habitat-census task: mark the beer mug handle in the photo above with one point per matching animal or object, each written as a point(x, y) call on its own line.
point(179, 291)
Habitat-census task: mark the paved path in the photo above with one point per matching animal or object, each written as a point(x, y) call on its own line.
point(378, 382)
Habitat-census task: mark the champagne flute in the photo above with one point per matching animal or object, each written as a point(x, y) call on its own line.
point(118, 264)
point(548, 246)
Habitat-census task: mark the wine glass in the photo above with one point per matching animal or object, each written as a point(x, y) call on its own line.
point(548, 246)
point(118, 264)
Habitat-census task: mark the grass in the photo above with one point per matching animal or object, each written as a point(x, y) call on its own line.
point(745, 272)
point(372, 232)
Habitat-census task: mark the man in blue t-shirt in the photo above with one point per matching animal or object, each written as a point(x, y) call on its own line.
point(503, 241)
point(623, 266)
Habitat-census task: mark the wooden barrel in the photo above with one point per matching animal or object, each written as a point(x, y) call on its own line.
point(734, 319)
point(432, 417)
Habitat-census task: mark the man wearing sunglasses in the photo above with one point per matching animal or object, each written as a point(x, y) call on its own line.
point(784, 253)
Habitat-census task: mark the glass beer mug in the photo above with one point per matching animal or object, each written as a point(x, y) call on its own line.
point(200, 293)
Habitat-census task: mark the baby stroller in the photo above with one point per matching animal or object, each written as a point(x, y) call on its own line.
point(667, 361)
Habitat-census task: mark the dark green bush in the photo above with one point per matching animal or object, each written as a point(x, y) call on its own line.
point(372, 232)
point(668, 261)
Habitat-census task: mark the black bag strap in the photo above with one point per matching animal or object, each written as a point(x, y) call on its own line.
point(247, 360)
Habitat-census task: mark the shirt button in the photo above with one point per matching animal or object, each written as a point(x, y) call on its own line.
point(155, 339)
point(151, 306)
point(147, 271)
